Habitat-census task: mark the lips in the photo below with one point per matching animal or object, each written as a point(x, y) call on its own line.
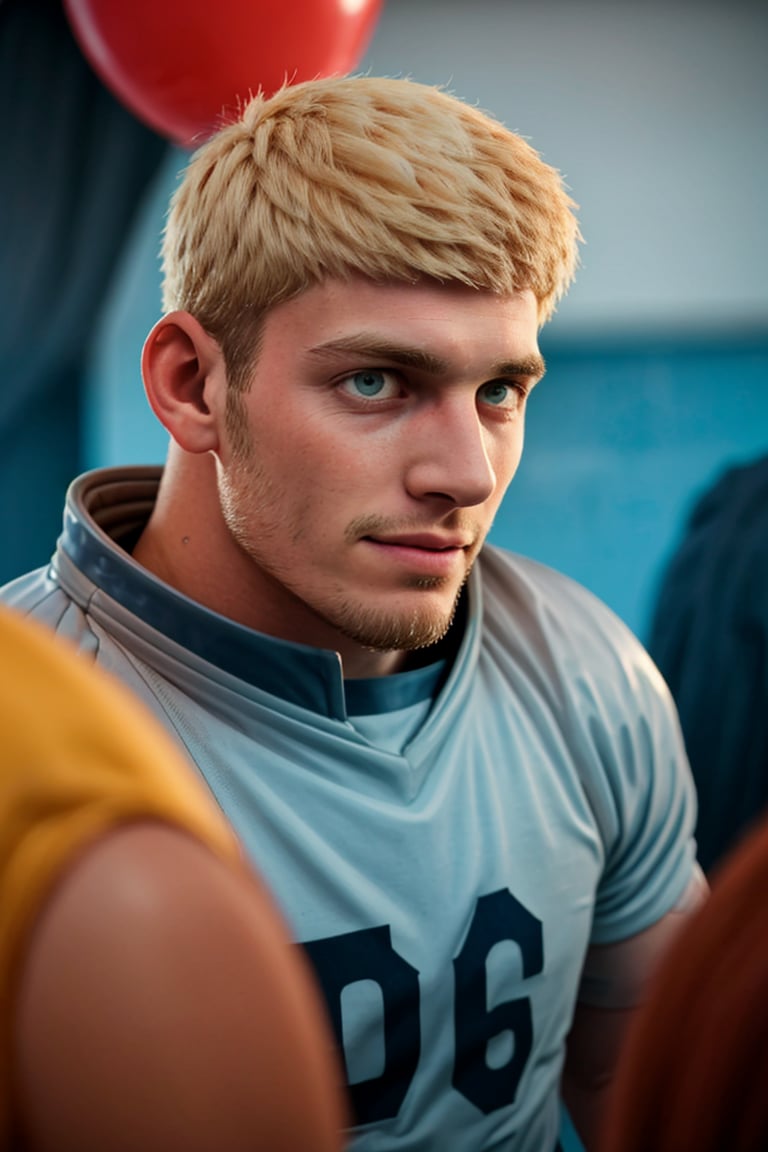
point(425, 540)
point(428, 556)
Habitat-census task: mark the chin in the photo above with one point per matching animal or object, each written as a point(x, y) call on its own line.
point(382, 631)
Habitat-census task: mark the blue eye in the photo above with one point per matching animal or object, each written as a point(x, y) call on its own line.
point(370, 384)
point(501, 394)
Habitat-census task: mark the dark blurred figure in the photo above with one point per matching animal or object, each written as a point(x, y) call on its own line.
point(695, 1070)
point(709, 637)
point(76, 165)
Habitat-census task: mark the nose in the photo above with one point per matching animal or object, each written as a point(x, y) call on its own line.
point(449, 458)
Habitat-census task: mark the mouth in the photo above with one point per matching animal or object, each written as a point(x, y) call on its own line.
point(425, 553)
point(427, 541)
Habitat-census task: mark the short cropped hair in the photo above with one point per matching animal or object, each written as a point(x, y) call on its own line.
point(387, 178)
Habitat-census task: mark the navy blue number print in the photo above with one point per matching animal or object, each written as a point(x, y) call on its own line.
point(498, 917)
point(368, 955)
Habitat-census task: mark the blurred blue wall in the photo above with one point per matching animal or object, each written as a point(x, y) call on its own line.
point(621, 437)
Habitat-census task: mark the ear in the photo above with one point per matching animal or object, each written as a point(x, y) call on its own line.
point(185, 381)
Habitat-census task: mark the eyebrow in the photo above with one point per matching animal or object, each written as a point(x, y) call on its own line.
point(374, 347)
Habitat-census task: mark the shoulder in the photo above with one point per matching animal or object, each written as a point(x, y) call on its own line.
point(243, 1023)
point(724, 543)
point(550, 636)
point(99, 755)
point(579, 670)
point(711, 593)
point(40, 597)
point(536, 611)
point(79, 755)
point(528, 585)
point(104, 509)
point(30, 593)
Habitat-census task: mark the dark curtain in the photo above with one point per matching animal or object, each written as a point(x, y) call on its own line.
point(73, 167)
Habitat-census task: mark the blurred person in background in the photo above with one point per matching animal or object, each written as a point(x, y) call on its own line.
point(709, 637)
point(695, 1069)
point(150, 995)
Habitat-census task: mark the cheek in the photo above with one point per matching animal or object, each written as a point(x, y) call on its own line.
point(337, 471)
point(320, 483)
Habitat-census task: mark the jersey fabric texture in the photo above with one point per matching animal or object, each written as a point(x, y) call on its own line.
point(78, 756)
point(446, 891)
point(710, 639)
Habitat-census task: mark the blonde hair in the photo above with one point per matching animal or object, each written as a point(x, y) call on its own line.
point(389, 178)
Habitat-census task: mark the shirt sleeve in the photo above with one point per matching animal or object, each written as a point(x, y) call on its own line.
point(640, 787)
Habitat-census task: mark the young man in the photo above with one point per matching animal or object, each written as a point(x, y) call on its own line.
point(150, 996)
point(460, 774)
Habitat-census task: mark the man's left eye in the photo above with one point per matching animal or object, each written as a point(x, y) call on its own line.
point(500, 394)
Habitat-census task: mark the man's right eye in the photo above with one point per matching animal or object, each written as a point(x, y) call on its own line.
point(371, 384)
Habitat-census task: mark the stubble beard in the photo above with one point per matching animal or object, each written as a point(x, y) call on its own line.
point(382, 631)
point(374, 629)
point(389, 631)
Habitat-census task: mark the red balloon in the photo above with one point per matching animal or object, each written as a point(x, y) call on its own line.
point(184, 67)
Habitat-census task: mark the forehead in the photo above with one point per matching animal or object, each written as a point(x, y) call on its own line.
point(466, 328)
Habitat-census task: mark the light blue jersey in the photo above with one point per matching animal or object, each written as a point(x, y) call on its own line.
point(446, 843)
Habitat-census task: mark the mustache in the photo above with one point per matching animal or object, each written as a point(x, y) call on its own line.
point(374, 524)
